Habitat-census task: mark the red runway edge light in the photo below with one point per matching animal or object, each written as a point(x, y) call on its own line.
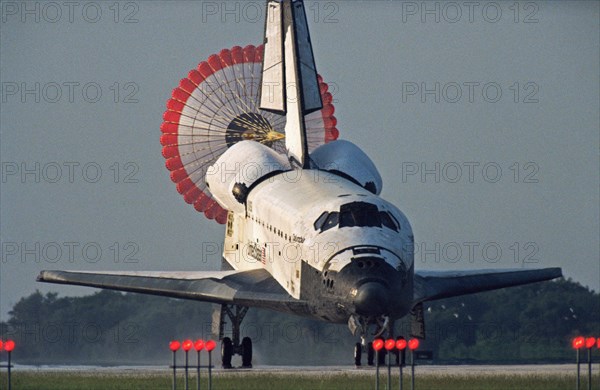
point(199, 345)
point(578, 342)
point(413, 344)
point(210, 345)
point(187, 345)
point(590, 342)
point(401, 344)
point(174, 345)
point(390, 344)
point(9, 345)
point(377, 344)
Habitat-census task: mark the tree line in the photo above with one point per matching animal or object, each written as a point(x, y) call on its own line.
point(526, 324)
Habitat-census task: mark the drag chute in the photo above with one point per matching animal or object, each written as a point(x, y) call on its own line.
point(216, 106)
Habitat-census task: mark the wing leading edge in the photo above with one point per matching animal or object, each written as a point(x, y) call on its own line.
point(255, 288)
point(259, 289)
point(430, 285)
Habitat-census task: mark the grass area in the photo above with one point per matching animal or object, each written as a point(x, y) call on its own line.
point(343, 381)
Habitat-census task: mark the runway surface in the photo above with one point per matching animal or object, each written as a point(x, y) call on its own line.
point(450, 370)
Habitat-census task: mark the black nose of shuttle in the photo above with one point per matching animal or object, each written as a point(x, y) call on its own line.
point(372, 299)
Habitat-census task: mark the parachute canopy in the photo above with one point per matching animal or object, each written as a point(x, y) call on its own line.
point(215, 107)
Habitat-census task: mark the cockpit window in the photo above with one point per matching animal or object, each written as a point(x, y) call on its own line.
point(320, 221)
point(359, 214)
point(331, 221)
point(389, 221)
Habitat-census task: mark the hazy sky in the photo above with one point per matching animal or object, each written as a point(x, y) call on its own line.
point(482, 119)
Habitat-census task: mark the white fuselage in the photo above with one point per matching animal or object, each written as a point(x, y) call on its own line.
point(277, 231)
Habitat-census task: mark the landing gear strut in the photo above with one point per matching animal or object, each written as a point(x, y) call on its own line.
point(357, 354)
point(231, 345)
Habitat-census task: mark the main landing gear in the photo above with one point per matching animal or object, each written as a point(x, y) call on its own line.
point(231, 345)
point(360, 325)
point(361, 348)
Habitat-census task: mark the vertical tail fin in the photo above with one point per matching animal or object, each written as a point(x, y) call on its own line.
point(272, 93)
point(289, 83)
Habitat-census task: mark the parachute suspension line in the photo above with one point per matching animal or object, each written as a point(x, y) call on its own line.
point(204, 116)
point(277, 121)
point(209, 96)
point(263, 128)
point(262, 131)
point(235, 109)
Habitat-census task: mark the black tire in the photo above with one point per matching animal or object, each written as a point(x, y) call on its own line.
point(357, 354)
point(370, 355)
point(226, 352)
point(246, 352)
point(396, 355)
point(400, 355)
point(382, 355)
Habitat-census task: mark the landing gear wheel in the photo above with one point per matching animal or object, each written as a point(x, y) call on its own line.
point(357, 354)
point(246, 352)
point(370, 354)
point(226, 352)
point(382, 354)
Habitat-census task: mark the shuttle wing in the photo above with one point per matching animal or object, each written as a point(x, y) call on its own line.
point(255, 288)
point(430, 285)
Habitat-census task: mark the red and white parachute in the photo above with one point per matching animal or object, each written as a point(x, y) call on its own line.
point(217, 106)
